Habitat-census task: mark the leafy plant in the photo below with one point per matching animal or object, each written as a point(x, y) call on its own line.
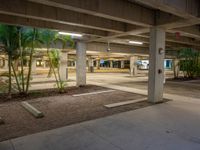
point(9, 38)
point(189, 62)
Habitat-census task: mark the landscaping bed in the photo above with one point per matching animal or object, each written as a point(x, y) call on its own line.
point(47, 93)
point(62, 110)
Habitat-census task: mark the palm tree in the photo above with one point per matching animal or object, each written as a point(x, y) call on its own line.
point(48, 37)
point(66, 41)
point(189, 63)
point(32, 39)
point(9, 38)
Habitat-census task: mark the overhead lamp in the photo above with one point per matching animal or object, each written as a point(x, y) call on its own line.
point(108, 49)
point(136, 42)
point(71, 34)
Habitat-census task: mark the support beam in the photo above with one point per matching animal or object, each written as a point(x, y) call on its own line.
point(191, 31)
point(31, 10)
point(133, 65)
point(21, 21)
point(111, 63)
point(33, 67)
point(176, 67)
point(5, 66)
point(156, 65)
point(116, 48)
point(91, 65)
point(81, 63)
point(122, 64)
point(98, 64)
point(63, 65)
point(102, 8)
point(183, 8)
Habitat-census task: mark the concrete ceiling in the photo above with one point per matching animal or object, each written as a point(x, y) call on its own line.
point(114, 21)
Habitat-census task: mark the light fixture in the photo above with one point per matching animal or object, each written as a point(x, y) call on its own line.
point(135, 42)
point(108, 49)
point(71, 34)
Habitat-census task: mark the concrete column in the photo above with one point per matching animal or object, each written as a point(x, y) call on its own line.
point(111, 64)
point(98, 64)
point(122, 64)
point(63, 69)
point(5, 66)
point(33, 67)
point(44, 63)
point(90, 65)
point(176, 67)
point(133, 65)
point(156, 65)
point(1, 63)
point(81, 63)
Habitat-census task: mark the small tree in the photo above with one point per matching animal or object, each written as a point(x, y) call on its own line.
point(189, 63)
point(32, 39)
point(66, 42)
point(9, 38)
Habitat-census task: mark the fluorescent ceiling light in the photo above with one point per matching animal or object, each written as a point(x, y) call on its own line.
point(135, 42)
point(72, 34)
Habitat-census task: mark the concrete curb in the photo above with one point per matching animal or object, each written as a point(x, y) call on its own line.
point(113, 105)
point(36, 113)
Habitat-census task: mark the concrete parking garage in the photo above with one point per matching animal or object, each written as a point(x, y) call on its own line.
point(115, 36)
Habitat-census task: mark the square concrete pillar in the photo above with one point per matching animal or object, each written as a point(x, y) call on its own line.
point(122, 64)
point(44, 63)
point(98, 64)
point(176, 67)
point(133, 65)
point(33, 67)
point(90, 65)
point(1, 63)
point(5, 66)
point(111, 64)
point(81, 63)
point(63, 68)
point(156, 65)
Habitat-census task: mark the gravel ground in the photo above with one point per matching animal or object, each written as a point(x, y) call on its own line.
point(62, 110)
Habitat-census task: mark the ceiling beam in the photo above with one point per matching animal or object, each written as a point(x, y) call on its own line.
point(118, 10)
point(116, 48)
point(57, 15)
point(14, 20)
point(190, 31)
point(186, 9)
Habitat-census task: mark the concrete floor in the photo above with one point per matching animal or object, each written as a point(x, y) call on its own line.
point(169, 126)
point(187, 88)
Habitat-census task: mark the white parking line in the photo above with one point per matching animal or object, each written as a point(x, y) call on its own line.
point(125, 103)
point(92, 93)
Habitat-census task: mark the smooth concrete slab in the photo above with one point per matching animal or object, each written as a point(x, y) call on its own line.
point(168, 126)
point(113, 105)
point(93, 93)
point(6, 145)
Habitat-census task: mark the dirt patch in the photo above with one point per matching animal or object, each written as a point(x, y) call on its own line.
point(62, 110)
point(48, 93)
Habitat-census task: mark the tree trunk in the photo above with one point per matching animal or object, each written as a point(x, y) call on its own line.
point(16, 79)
